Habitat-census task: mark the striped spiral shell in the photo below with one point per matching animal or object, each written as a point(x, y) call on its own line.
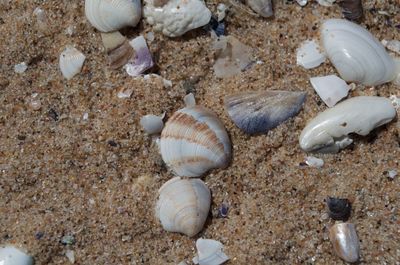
point(194, 141)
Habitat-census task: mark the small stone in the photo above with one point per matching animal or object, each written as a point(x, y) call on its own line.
point(392, 174)
point(126, 238)
point(20, 68)
point(85, 116)
point(68, 240)
point(314, 162)
point(70, 255)
point(53, 114)
point(223, 211)
point(39, 235)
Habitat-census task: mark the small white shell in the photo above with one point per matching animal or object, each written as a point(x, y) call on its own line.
point(328, 132)
point(209, 252)
point(261, 7)
point(309, 55)
point(356, 54)
point(194, 141)
point(314, 161)
point(71, 62)
point(111, 15)
point(330, 88)
point(175, 17)
point(183, 205)
point(345, 241)
point(152, 124)
point(10, 255)
point(326, 2)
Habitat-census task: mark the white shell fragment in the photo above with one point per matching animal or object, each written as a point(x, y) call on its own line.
point(152, 124)
point(329, 131)
point(20, 68)
point(112, 15)
point(326, 2)
point(314, 162)
point(10, 255)
point(260, 111)
point(356, 54)
point(309, 54)
point(345, 241)
point(392, 45)
point(176, 17)
point(302, 2)
point(71, 62)
point(193, 141)
point(142, 60)
point(261, 7)
point(183, 205)
point(331, 88)
point(209, 252)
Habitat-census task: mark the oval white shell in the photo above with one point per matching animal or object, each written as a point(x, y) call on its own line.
point(10, 255)
point(345, 241)
point(183, 205)
point(356, 54)
point(152, 124)
point(330, 88)
point(209, 252)
point(328, 132)
point(309, 55)
point(261, 7)
point(176, 17)
point(194, 141)
point(71, 62)
point(111, 15)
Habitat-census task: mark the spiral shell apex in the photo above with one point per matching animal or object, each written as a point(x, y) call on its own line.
point(194, 141)
point(183, 205)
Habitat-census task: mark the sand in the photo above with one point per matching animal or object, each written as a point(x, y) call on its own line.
point(96, 179)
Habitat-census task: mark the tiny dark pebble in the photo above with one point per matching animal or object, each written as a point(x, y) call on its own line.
point(21, 137)
point(39, 235)
point(53, 114)
point(223, 211)
point(397, 26)
point(68, 240)
point(338, 209)
point(112, 143)
point(7, 236)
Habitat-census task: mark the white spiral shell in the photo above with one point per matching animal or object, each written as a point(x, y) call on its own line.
point(194, 141)
point(112, 15)
point(183, 205)
point(357, 55)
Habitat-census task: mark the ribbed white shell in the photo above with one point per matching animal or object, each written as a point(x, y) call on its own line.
point(194, 141)
point(209, 252)
point(71, 62)
point(183, 205)
point(10, 255)
point(111, 15)
point(357, 55)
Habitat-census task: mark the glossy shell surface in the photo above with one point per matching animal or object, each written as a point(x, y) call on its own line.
point(345, 241)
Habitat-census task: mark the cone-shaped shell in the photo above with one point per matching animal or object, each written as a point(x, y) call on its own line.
point(194, 141)
point(183, 205)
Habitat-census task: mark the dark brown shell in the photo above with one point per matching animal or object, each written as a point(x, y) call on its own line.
point(352, 9)
point(119, 56)
point(338, 209)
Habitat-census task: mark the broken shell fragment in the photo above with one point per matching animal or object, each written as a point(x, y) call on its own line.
point(112, 15)
point(329, 131)
point(176, 17)
point(352, 9)
point(118, 49)
point(261, 7)
point(193, 141)
point(314, 162)
point(338, 209)
point(209, 252)
point(10, 255)
point(309, 54)
point(345, 241)
point(183, 205)
point(259, 112)
point(142, 60)
point(330, 88)
point(71, 62)
point(152, 124)
point(326, 2)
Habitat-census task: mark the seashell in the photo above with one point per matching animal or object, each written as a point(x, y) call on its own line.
point(330, 88)
point(152, 124)
point(209, 252)
point(176, 17)
point(183, 205)
point(329, 131)
point(118, 49)
point(259, 112)
point(314, 162)
point(352, 9)
point(302, 2)
point(345, 241)
point(112, 15)
point(356, 54)
point(392, 45)
point(326, 2)
point(261, 7)
point(338, 209)
point(142, 60)
point(71, 62)
point(10, 255)
point(309, 55)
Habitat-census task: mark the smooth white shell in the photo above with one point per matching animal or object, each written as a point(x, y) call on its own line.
point(314, 161)
point(209, 252)
point(345, 241)
point(328, 132)
point(330, 88)
point(183, 205)
point(309, 55)
point(111, 15)
point(10, 255)
point(326, 2)
point(152, 124)
point(176, 17)
point(356, 54)
point(71, 62)
point(193, 141)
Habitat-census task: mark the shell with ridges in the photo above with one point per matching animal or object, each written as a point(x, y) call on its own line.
point(183, 205)
point(71, 62)
point(209, 252)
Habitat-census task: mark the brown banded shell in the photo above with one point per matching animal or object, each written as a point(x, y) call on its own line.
point(118, 49)
point(193, 141)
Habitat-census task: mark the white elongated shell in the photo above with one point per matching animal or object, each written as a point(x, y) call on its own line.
point(152, 124)
point(328, 132)
point(309, 54)
point(330, 88)
point(10, 255)
point(112, 15)
point(209, 252)
point(71, 62)
point(194, 141)
point(345, 241)
point(356, 54)
point(176, 17)
point(183, 205)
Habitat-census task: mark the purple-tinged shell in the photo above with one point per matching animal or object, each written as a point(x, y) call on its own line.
point(142, 60)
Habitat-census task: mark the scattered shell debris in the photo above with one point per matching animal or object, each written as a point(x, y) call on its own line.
point(10, 255)
point(143, 59)
point(314, 161)
point(309, 55)
point(331, 88)
point(71, 62)
point(20, 68)
point(209, 252)
point(152, 124)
